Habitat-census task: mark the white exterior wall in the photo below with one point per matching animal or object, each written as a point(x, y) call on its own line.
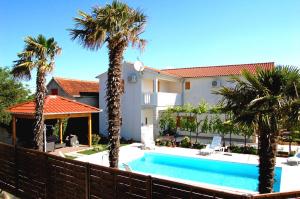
point(147, 85)
point(201, 89)
point(130, 105)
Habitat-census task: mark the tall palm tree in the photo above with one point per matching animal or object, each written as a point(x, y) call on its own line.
point(38, 53)
point(117, 25)
point(265, 99)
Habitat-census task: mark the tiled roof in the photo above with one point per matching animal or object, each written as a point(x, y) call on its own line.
point(54, 104)
point(212, 71)
point(159, 71)
point(74, 87)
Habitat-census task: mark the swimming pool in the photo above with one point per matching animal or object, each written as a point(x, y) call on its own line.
point(221, 173)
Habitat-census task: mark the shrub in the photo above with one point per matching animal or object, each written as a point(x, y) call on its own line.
point(95, 139)
point(104, 139)
point(159, 142)
point(292, 153)
point(169, 143)
point(244, 150)
point(125, 141)
point(98, 148)
point(185, 142)
point(198, 146)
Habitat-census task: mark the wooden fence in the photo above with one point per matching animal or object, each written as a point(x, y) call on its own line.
point(32, 174)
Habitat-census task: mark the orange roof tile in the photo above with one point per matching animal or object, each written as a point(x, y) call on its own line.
point(211, 71)
point(54, 105)
point(75, 87)
point(159, 71)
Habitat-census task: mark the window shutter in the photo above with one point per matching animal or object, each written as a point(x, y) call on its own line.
point(54, 91)
point(187, 85)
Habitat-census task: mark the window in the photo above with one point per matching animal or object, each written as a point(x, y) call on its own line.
point(187, 85)
point(54, 91)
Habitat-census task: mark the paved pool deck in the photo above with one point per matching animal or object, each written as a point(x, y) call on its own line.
point(289, 178)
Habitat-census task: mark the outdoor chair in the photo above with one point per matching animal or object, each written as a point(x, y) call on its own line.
point(72, 140)
point(127, 167)
point(213, 147)
point(53, 142)
point(295, 160)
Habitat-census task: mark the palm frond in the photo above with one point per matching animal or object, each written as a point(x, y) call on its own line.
point(22, 71)
point(38, 53)
point(115, 22)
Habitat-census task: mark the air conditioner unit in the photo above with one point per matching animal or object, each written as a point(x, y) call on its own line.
point(132, 78)
point(216, 83)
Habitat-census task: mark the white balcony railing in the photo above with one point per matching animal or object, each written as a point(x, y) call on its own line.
point(161, 99)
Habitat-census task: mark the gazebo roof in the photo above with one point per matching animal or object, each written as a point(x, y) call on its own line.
point(54, 105)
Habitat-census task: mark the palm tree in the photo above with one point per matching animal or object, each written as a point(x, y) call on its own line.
point(38, 53)
point(118, 25)
point(265, 99)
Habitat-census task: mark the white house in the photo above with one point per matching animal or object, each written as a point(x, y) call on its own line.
point(152, 90)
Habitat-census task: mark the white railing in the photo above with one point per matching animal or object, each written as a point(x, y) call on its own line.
point(148, 99)
point(161, 99)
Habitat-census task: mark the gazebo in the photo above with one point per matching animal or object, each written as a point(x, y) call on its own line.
point(55, 107)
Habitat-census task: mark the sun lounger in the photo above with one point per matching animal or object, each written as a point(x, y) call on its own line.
point(295, 160)
point(213, 147)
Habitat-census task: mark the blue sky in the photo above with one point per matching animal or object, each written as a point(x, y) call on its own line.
point(179, 33)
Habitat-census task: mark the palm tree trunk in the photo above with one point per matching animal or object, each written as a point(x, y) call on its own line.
point(39, 110)
point(114, 92)
point(197, 134)
point(230, 135)
point(267, 154)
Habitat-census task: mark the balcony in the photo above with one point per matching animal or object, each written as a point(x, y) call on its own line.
point(161, 99)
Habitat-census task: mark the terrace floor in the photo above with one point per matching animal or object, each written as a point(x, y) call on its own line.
point(289, 179)
point(70, 150)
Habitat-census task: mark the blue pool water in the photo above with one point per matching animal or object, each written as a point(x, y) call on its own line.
point(227, 174)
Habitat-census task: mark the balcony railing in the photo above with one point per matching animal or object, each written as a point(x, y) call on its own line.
point(161, 99)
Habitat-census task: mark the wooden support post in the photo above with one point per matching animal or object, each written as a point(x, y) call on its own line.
point(14, 131)
point(90, 129)
point(61, 131)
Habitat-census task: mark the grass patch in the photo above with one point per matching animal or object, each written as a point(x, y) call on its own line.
point(70, 157)
point(96, 149)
